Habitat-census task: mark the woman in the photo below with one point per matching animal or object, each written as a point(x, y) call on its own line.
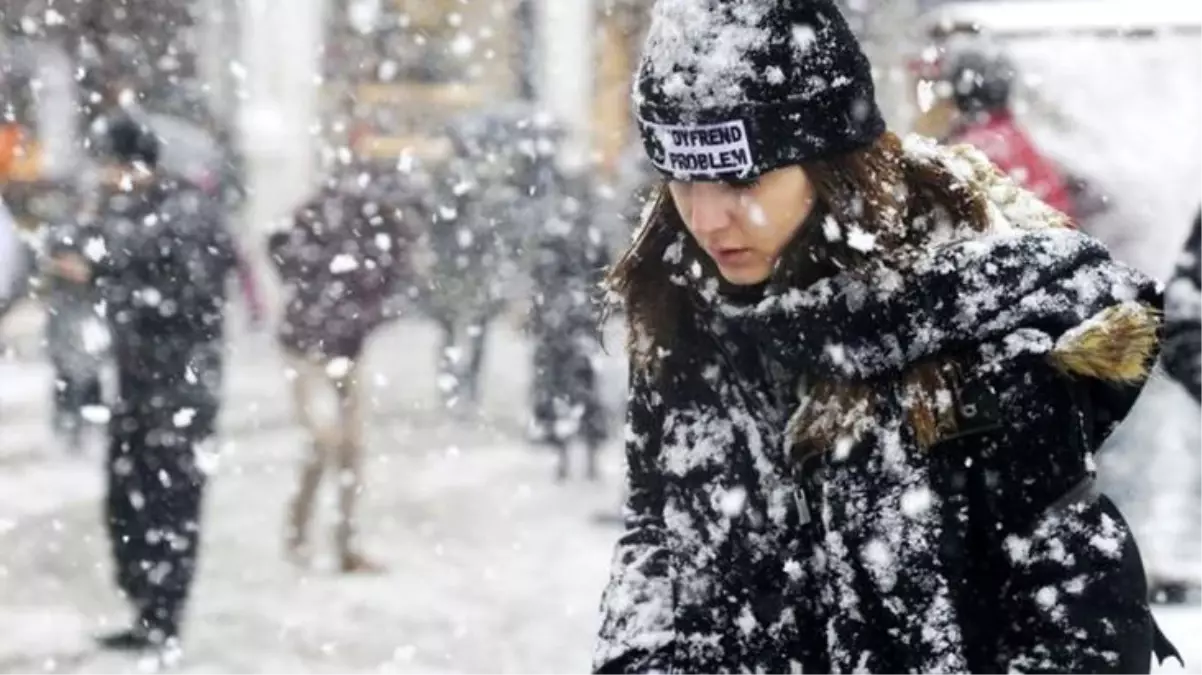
point(867, 377)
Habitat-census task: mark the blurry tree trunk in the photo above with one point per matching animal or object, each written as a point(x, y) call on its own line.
point(566, 59)
point(526, 63)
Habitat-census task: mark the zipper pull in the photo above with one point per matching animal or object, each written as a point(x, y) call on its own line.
point(803, 506)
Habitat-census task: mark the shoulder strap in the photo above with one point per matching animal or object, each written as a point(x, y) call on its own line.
point(1086, 490)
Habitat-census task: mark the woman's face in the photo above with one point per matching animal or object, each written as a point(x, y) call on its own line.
point(745, 227)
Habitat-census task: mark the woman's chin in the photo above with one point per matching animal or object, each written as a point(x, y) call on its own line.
point(745, 275)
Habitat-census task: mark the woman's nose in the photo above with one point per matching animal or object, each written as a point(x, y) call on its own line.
point(712, 206)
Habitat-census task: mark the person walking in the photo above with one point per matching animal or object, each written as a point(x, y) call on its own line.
point(153, 253)
point(341, 261)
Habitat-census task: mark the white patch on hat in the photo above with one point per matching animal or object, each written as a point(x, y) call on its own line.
point(804, 37)
point(710, 43)
point(703, 150)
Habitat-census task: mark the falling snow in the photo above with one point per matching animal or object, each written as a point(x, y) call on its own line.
point(373, 243)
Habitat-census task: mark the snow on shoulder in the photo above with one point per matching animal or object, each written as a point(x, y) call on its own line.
point(1010, 205)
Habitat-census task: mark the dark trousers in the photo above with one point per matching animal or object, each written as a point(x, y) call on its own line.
point(153, 516)
point(461, 355)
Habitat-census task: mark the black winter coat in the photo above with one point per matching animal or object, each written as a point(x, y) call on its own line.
point(160, 258)
point(755, 542)
point(343, 260)
point(568, 258)
point(1183, 316)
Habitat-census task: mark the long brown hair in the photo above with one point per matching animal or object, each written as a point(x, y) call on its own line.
point(883, 191)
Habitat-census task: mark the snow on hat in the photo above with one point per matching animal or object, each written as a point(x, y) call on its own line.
point(729, 90)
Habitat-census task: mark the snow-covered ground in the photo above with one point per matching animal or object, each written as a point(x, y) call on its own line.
point(492, 567)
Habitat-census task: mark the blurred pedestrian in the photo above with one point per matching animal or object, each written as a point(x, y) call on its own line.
point(981, 81)
point(478, 221)
point(1174, 576)
point(342, 260)
point(77, 341)
point(154, 252)
point(568, 258)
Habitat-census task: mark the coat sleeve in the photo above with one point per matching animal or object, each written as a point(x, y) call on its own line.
point(1183, 317)
point(286, 247)
point(637, 627)
point(1072, 594)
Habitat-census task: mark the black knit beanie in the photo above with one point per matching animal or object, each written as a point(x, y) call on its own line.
point(732, 89)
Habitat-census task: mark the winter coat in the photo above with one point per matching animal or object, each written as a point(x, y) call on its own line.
point(788, 510)
point(1183, 317)
point(999, 136)
point(1150, 466)
point(159, 262)
point(77, 336)
point(568, 258)
point(342, 260)
point(475, 232)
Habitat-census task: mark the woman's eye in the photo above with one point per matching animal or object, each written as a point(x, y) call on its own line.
point(748, 184)
point(679, 188)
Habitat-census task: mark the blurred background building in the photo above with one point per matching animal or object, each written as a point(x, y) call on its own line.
point(289, 79)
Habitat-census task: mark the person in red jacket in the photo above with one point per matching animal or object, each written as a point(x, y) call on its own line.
point(980, 85)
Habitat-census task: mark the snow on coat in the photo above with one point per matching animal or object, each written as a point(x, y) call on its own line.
point(160, 259)
point(341, 262)
point(791, 509)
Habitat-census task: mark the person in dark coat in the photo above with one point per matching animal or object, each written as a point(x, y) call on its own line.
point(568, 259)
point(77, 340)
point(1183, 362)
point(340, 262)
point(867, 381)
point(154, 252)
point(476, 226)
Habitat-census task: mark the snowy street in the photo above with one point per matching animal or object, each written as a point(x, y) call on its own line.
point(492, 567)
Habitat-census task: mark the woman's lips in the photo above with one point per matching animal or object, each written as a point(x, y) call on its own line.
point(732, 256)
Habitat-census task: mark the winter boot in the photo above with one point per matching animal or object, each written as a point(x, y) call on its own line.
point(128, 640)
point(296, 548)
point(591, 471)
point(352, 562)
point(144, 634)
point(561, 460)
